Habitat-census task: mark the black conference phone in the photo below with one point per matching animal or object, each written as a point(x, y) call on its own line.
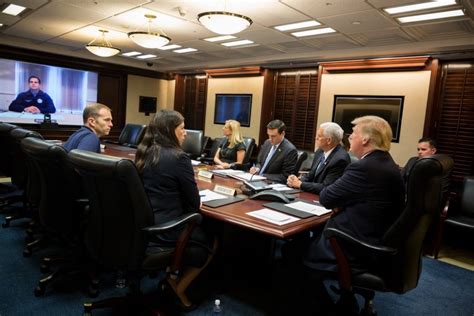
point(272, 195)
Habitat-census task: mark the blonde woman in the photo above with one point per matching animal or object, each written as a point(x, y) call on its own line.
point(232, 149)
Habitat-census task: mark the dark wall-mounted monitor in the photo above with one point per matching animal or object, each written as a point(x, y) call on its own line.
point(348, 107)
point(147, 105)
point(233, 107)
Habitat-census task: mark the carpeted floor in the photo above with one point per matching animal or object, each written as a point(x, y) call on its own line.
point(443, 289)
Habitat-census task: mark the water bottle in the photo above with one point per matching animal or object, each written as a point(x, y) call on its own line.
point(217, 309)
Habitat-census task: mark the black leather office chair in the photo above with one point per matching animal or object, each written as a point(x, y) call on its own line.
point(209, 159)
point(131, 135)
point(249, 149)
point(460, 217)
point(61, 207)
point(120, 230)
point(302, 155)
point(23, 175)
point(194, 143)
point(6, 163)
point(395, 264)
point(308, 162)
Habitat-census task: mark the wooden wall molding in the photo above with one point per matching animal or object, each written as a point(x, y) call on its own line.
point(382, 64)
point(234, 72)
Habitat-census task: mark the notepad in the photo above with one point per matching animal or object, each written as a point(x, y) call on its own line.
point(308, 208)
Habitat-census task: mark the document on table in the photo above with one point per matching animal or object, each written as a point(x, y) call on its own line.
point(227, 172)
point(208, 195)
point(308, 208)
point(246, 176)
point(273, 216)
point(280, 187)
point(195, 162)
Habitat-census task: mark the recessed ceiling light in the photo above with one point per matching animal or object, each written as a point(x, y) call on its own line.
point(220, 38)
point(298, 25)
point(185, 50)
point(13, 9)
point(169, 47)
point(237, 43)
point(419, 6)
point(148, 56)
point(130, 54)
point(430, 16)
point(325, 30)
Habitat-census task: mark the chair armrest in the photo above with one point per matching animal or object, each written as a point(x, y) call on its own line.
point(181, 220)
point(110, 141)
point(375, 249)
point(190, 220)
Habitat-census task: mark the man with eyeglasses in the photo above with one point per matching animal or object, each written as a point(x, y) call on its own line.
point(34, 100)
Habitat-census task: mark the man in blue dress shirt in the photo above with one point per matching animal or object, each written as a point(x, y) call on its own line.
point(97, 119)
point(34, 100)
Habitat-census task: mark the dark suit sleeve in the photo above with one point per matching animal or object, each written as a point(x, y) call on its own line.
point(347, 189)
point(49, 105)
point(287, 167)
point(187, 183)
point(17, 105)
point(334, 172)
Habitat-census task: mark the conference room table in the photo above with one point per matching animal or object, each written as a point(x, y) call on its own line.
point(237, 213)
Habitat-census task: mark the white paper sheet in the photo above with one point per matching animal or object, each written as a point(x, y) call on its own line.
point(247, 176)
point(308, 208)
point(195, 162)
point(273, 216)
point(280, 187)
point(226, 172)
point(208, 195)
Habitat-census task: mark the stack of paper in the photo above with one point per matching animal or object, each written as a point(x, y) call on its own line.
point(208, 195)
point(309, 208)
point(273, 216)
point(246, 176)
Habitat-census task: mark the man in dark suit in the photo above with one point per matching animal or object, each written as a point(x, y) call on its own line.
point(277, 157)
point(366, 200)
point(329, 161)
point(426, 147)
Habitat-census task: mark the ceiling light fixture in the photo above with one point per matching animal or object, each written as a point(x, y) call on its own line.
point(219, 38)
point(237, 43)
point(168, 47)
point(325, 30)
point(185, 50)
point(298, 25)
point(101, 46)
point(149, 39)
point(430, 16)
point(419, 6)
point(223, 22)
point(131, 54)
point(13, 9)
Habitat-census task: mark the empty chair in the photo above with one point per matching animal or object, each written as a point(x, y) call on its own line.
point(131, 135)
point(308, 162)
point(249, 149)
point(394, 265)
point(462, 217)
point(209, 159)
point(120, 231)
point(302, 155)
point(6, 162)
point(194, 143)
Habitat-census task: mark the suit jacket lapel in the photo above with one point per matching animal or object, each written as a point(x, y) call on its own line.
point(326, 162)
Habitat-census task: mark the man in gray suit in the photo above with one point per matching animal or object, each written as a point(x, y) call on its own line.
point(277, 157)
point(329, 161)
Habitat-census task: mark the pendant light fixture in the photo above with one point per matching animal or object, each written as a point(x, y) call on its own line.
point(101, 46)
point(149, 39)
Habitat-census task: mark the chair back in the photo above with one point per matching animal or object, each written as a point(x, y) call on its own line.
point(6, 159)
point(467, 197)
point(194, 143)
point(250, 146)
point(424, 199)
point(131, 135)
point(301, 156)
point(60, 185)
point(119, 209)
point(215, 146)
point(308, 162)
point(23, 173)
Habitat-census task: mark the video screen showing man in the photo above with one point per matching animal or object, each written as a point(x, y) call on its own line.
point(34, 100)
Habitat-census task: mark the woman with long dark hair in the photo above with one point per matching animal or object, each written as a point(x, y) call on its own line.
point(168, 178)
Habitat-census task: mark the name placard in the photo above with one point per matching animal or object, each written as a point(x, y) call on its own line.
point(224, 190)
point(205, 174)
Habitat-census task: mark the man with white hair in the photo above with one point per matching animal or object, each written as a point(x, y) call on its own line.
point(329, 161)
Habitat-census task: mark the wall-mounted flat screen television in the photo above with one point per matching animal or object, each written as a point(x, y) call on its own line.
point(70, 90)
point(233, 107)
point(348, 107)
point(147, 105)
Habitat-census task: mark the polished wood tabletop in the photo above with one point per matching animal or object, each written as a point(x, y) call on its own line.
point(236, 213)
